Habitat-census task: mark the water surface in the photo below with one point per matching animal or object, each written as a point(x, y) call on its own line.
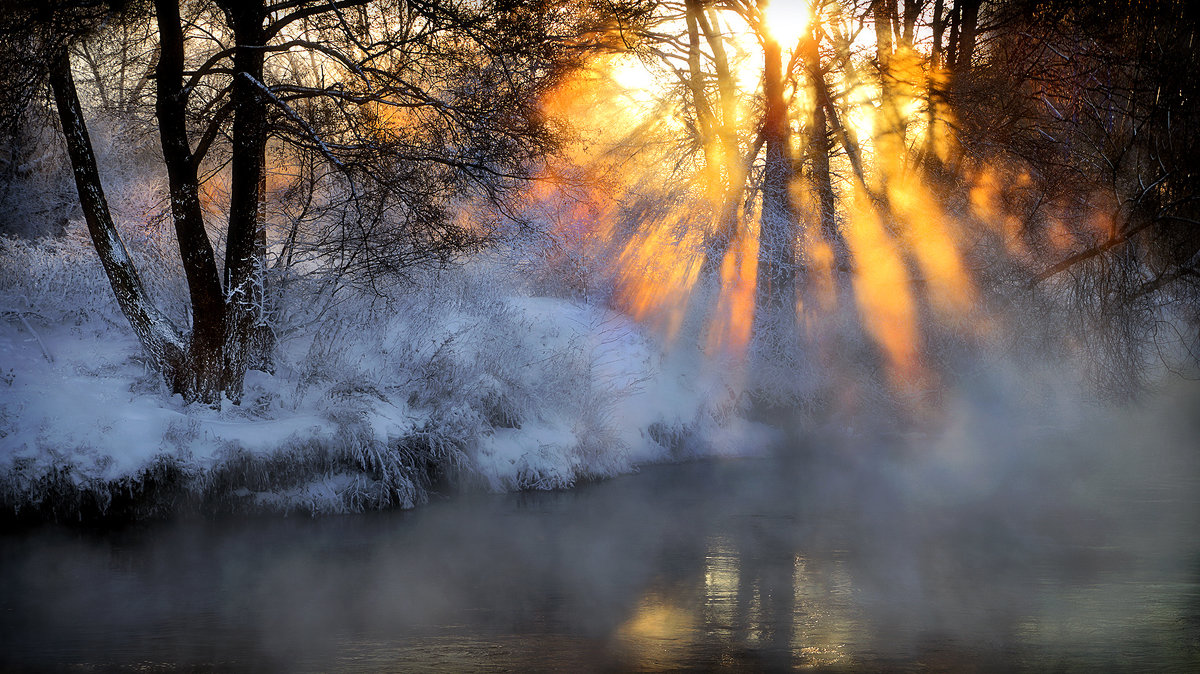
point(832, 558)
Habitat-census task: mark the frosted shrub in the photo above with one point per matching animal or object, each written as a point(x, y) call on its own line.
point(467, 361)
point(375, 402)
point(56, 279)
point(37, 192)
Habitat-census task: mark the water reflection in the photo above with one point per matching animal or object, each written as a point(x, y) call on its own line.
point(834, 563)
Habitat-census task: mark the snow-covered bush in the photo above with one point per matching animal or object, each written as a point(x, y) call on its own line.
point(458, 378)
point(54, 279)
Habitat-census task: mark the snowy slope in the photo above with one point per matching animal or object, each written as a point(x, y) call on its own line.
point(372, 408)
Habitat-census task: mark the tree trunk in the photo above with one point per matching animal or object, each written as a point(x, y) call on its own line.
point(205, 351)
point(933, 87)
point(966, 39)
point(818, 152)
point(776, 287)
point(955, 27)
point(882, 14)
point(912, 10)
point(703, 110)
point(158, 337)
point(245, 322)
point(889, 122)
point(938, 26)
point(729, 225)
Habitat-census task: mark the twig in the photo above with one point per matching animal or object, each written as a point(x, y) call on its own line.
point(41, 344)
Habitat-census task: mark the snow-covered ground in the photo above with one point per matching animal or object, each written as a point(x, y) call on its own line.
point(463, 380)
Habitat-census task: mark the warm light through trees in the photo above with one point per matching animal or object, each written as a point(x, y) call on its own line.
point(819, 154)
point(750, 170)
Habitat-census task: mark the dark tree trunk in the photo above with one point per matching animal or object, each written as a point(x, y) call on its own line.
point(889, 123)
point(205, 352)
point(158, 337)
point(938, 26)
point(933, 86)
point(245, 327)
point(261, 354)
point(955, 28)
point(818, 152)
point(966, 39)
point(912, 10)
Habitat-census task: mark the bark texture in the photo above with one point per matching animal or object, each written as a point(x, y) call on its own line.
point(245, 322)
point(205, 350)
point(160, 339)
point(778, 222)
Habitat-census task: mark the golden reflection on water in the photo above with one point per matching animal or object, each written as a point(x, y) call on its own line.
point(824, 623)
point(720, 584)
point(660, 635)
point(742, 604)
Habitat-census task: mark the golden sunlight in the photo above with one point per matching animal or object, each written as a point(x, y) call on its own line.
point(730, 331)
point(885, 300)
point(900, 250)
point(636, 82)
point(787, 20)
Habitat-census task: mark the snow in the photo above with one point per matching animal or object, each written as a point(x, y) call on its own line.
point(469, 377)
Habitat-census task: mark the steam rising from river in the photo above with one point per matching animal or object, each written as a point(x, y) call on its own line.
point(1071, 543)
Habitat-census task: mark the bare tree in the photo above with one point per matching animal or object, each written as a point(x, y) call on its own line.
point(417, 108)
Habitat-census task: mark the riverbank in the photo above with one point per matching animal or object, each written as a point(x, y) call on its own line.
point(466, 384)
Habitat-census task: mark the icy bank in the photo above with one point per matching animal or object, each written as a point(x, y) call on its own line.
point(371, 408)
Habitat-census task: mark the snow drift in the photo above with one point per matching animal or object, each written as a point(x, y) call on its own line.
point(462, 380)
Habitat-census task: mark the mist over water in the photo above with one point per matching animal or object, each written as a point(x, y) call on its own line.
point(979, 546)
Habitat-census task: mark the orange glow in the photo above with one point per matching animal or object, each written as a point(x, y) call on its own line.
point(214, 195)
point(658, 269)
point(885, 300)
point(1058, 237)
point(927, 234)
point(817, 253)
point(730, 331)
point(660, 180)
point(987, 204)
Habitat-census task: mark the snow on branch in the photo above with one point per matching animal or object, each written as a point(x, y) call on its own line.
point(312, 133)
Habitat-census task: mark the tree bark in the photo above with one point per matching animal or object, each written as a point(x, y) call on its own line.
point(955, 28)
point(161, 340)
point(966, 37)
point(703, 110)
point(912, 10)
point(889, 122)
point(730, 227)
point(776, 286)
point(205, 350)
point(882, 11)
point(933, 86)
point(938, 26)
point(818, 151)
point(245, 263)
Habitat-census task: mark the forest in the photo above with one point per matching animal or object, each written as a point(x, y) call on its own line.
point(335, 255)
point(599, 335)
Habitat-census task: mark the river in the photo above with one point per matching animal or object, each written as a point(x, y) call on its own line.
point(830, 558)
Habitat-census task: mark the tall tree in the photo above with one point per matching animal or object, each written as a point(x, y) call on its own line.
point(778, 225)
point(819, 147)
point(155, 332)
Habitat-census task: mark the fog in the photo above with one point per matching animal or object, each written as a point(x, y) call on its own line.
point(982, 545)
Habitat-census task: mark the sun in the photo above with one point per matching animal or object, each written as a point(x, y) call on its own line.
point(787, 20)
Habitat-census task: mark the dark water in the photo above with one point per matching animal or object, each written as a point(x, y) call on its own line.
point(832, 558)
